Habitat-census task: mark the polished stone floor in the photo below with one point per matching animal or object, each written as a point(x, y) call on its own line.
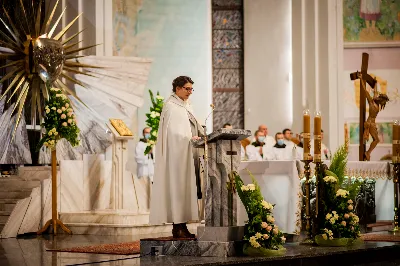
point(31, 251)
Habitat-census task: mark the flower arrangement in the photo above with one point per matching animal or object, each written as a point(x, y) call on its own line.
point(59, 121)
point(153, 119)
point(262, 235)
point(340, 223)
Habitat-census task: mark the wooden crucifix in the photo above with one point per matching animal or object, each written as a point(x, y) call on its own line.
point(364, 79)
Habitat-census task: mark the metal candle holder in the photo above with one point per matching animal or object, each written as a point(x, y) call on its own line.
point(307, 174)
point(396, 175)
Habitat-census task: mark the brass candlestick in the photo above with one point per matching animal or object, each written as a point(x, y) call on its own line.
point(396, 175)
point(307, 173)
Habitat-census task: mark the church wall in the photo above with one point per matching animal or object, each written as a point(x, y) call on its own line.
point(176, 35)
point(268, 64)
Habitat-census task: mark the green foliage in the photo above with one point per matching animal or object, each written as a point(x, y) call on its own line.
point(260, 230)
point(153, 119)
point(338, 163)
point(59, 121)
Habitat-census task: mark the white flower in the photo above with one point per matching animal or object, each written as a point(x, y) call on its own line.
point(275, 231)
point(283, 239)
point(258, 235)
point(63, 116)
point(267, 205)
point(342, 193)
point(53, 108)
point(153, 114)
point(251, 187)
point(330, 237)
point(47, 111)
point(332, 220)
point(59, 95)
point(59, 111)
point(45, 143)
point(55, 133)
point(63, 108)
point(69, 114)
point(65, 124)
point(330, 179)
point(255, 244)
point(50, 133)
point(328, 216)
point(158, 97)
point(270, 219)
point(152, 142)
point(158, 114)
point(154, 133)
point(67, 105)
point(69, 121)
point(244, 188)
point(70, 110)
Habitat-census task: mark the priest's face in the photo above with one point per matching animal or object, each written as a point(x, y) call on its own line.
point(185, 91)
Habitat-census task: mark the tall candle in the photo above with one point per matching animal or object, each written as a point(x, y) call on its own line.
point(306, 135)
point(396, 142)
point(317, 136)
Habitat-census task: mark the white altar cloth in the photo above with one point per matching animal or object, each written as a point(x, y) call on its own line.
point(280, 185)
point(381, 172)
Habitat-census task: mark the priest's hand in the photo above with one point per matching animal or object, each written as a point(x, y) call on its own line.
point(196, 138)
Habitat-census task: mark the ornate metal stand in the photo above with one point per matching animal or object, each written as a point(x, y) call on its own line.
point(318, 169)
point(396, 175)
point(307, 173)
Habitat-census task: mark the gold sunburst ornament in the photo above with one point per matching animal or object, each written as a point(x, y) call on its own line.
point(37, 58)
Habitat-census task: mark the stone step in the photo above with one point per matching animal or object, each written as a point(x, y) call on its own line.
point(38, 173)
point(2, 226)
point(17, 185)
point(7, 204)
point(105, 217)
point(127, 230)
point(21, 194)
point(4, 216)
point(380, 226)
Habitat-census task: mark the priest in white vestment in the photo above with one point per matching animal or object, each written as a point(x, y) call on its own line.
point(280, 151)
point(287, 138)
point(268, 140)
point(256, 150)
point(145, 162)
point(176, 187)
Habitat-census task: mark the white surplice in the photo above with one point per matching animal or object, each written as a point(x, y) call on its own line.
point(282, 154)
point(174, 196)
point(145, 163)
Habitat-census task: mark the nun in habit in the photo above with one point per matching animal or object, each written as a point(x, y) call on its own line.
point(177, 183)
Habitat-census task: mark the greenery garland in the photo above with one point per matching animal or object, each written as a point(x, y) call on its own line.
point(153, 119)
point(59, 121)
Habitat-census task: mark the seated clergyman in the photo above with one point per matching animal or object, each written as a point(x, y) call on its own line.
point(279, 151)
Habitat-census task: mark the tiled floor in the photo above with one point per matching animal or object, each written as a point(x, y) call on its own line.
point(31, 251)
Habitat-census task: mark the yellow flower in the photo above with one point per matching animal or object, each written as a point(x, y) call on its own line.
point(267, 205)
point(244, 188)
point(324, 236)
point(258, 235)
point(251, 187)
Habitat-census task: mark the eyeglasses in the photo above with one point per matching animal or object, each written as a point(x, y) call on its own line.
point(188, 89)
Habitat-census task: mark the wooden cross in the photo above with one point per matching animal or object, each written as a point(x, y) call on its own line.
point(364, 79)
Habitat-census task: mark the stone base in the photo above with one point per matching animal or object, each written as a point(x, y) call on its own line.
point(220, 234)
point(110, 217)
point(194, 248)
